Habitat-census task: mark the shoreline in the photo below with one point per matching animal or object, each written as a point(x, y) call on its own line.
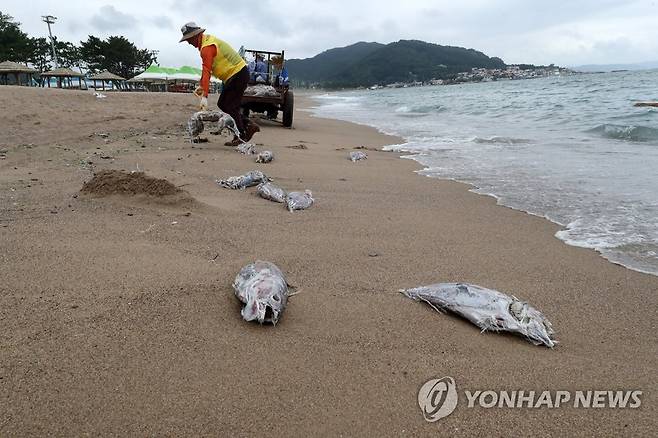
point(410, 155)
point(120, 319)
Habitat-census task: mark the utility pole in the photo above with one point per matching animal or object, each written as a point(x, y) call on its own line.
point(51, 20)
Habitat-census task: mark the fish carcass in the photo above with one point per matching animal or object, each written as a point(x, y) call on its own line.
point(265, 157)
point(249, 179)
point(271, 192)
point(246, 148)
point(262, 288)
point(224, 121)
point(358, 156)
point(488, 309)
point(299, 200)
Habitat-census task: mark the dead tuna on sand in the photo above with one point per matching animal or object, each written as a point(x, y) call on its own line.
point(264, 157)
point(262, 288)
point(249, 179)
point(358, 156)
point(488, 309)
point(271, 192)
point(224, 121)
point(299, 200)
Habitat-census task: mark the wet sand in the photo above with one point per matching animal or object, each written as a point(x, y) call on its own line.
point(117, 314)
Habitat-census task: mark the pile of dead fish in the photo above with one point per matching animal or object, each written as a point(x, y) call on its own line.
point(292, 200)
point(267, 190)
point(488, 309)
point(261, 90)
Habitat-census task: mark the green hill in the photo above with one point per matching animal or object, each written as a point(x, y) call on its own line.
point(321, 67)
point(365, 64)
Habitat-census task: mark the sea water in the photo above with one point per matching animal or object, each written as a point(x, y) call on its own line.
point(572, 149)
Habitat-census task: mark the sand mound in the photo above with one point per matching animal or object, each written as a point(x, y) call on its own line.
point(115, 182)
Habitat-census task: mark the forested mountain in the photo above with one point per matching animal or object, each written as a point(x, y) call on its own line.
point(365, 64)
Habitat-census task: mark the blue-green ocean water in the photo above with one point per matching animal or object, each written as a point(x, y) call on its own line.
point(572, 149)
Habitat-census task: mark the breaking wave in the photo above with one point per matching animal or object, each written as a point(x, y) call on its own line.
point(500, 140)
point(626, 132)
point(420, 109)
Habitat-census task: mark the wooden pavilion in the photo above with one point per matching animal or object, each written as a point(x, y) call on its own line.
point(24, 75)
point(64, 78)
point(105, 76)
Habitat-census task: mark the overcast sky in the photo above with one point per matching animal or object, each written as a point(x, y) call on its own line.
point(564, 32)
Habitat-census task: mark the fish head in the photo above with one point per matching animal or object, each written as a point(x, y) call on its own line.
point(266, 305)
point(535, 326)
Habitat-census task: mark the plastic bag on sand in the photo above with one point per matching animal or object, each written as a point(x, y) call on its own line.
point(249, 179)
point(299, 200)
point(488, 309)
point(264, 157)
point(271, 192)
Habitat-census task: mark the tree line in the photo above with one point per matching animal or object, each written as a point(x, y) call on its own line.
point(116, 53)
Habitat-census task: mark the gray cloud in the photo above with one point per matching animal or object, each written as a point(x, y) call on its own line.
point(162, 22)
point(108, 19)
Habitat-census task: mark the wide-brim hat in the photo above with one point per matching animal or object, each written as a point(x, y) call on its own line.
point(190, 30)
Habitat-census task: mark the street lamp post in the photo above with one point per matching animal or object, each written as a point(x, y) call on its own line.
point(49, 19)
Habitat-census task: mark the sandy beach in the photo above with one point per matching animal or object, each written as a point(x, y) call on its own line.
point(117, 315)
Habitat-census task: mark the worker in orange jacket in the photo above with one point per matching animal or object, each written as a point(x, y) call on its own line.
point(224, 63)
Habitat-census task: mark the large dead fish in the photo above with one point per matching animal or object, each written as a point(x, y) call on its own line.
point(488, 309)
point(271, 192)
point(299, 200)
point(224, 121)
point(262, 288)
point(249, 179)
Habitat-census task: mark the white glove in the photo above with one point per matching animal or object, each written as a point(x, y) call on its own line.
point(198, 91)
point(203, 104)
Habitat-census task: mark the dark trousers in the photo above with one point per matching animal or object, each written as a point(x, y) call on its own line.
point(231, 98)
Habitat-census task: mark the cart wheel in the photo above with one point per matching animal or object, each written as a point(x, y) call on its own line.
point(288, 105)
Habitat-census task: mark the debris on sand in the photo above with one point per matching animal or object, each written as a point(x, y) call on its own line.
point(488, 309)
point(265, 157)
point(249, 179)
point(358, 156)
point(299, 200)
point(262, 288)
point(246, 149)
point(298, 146)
